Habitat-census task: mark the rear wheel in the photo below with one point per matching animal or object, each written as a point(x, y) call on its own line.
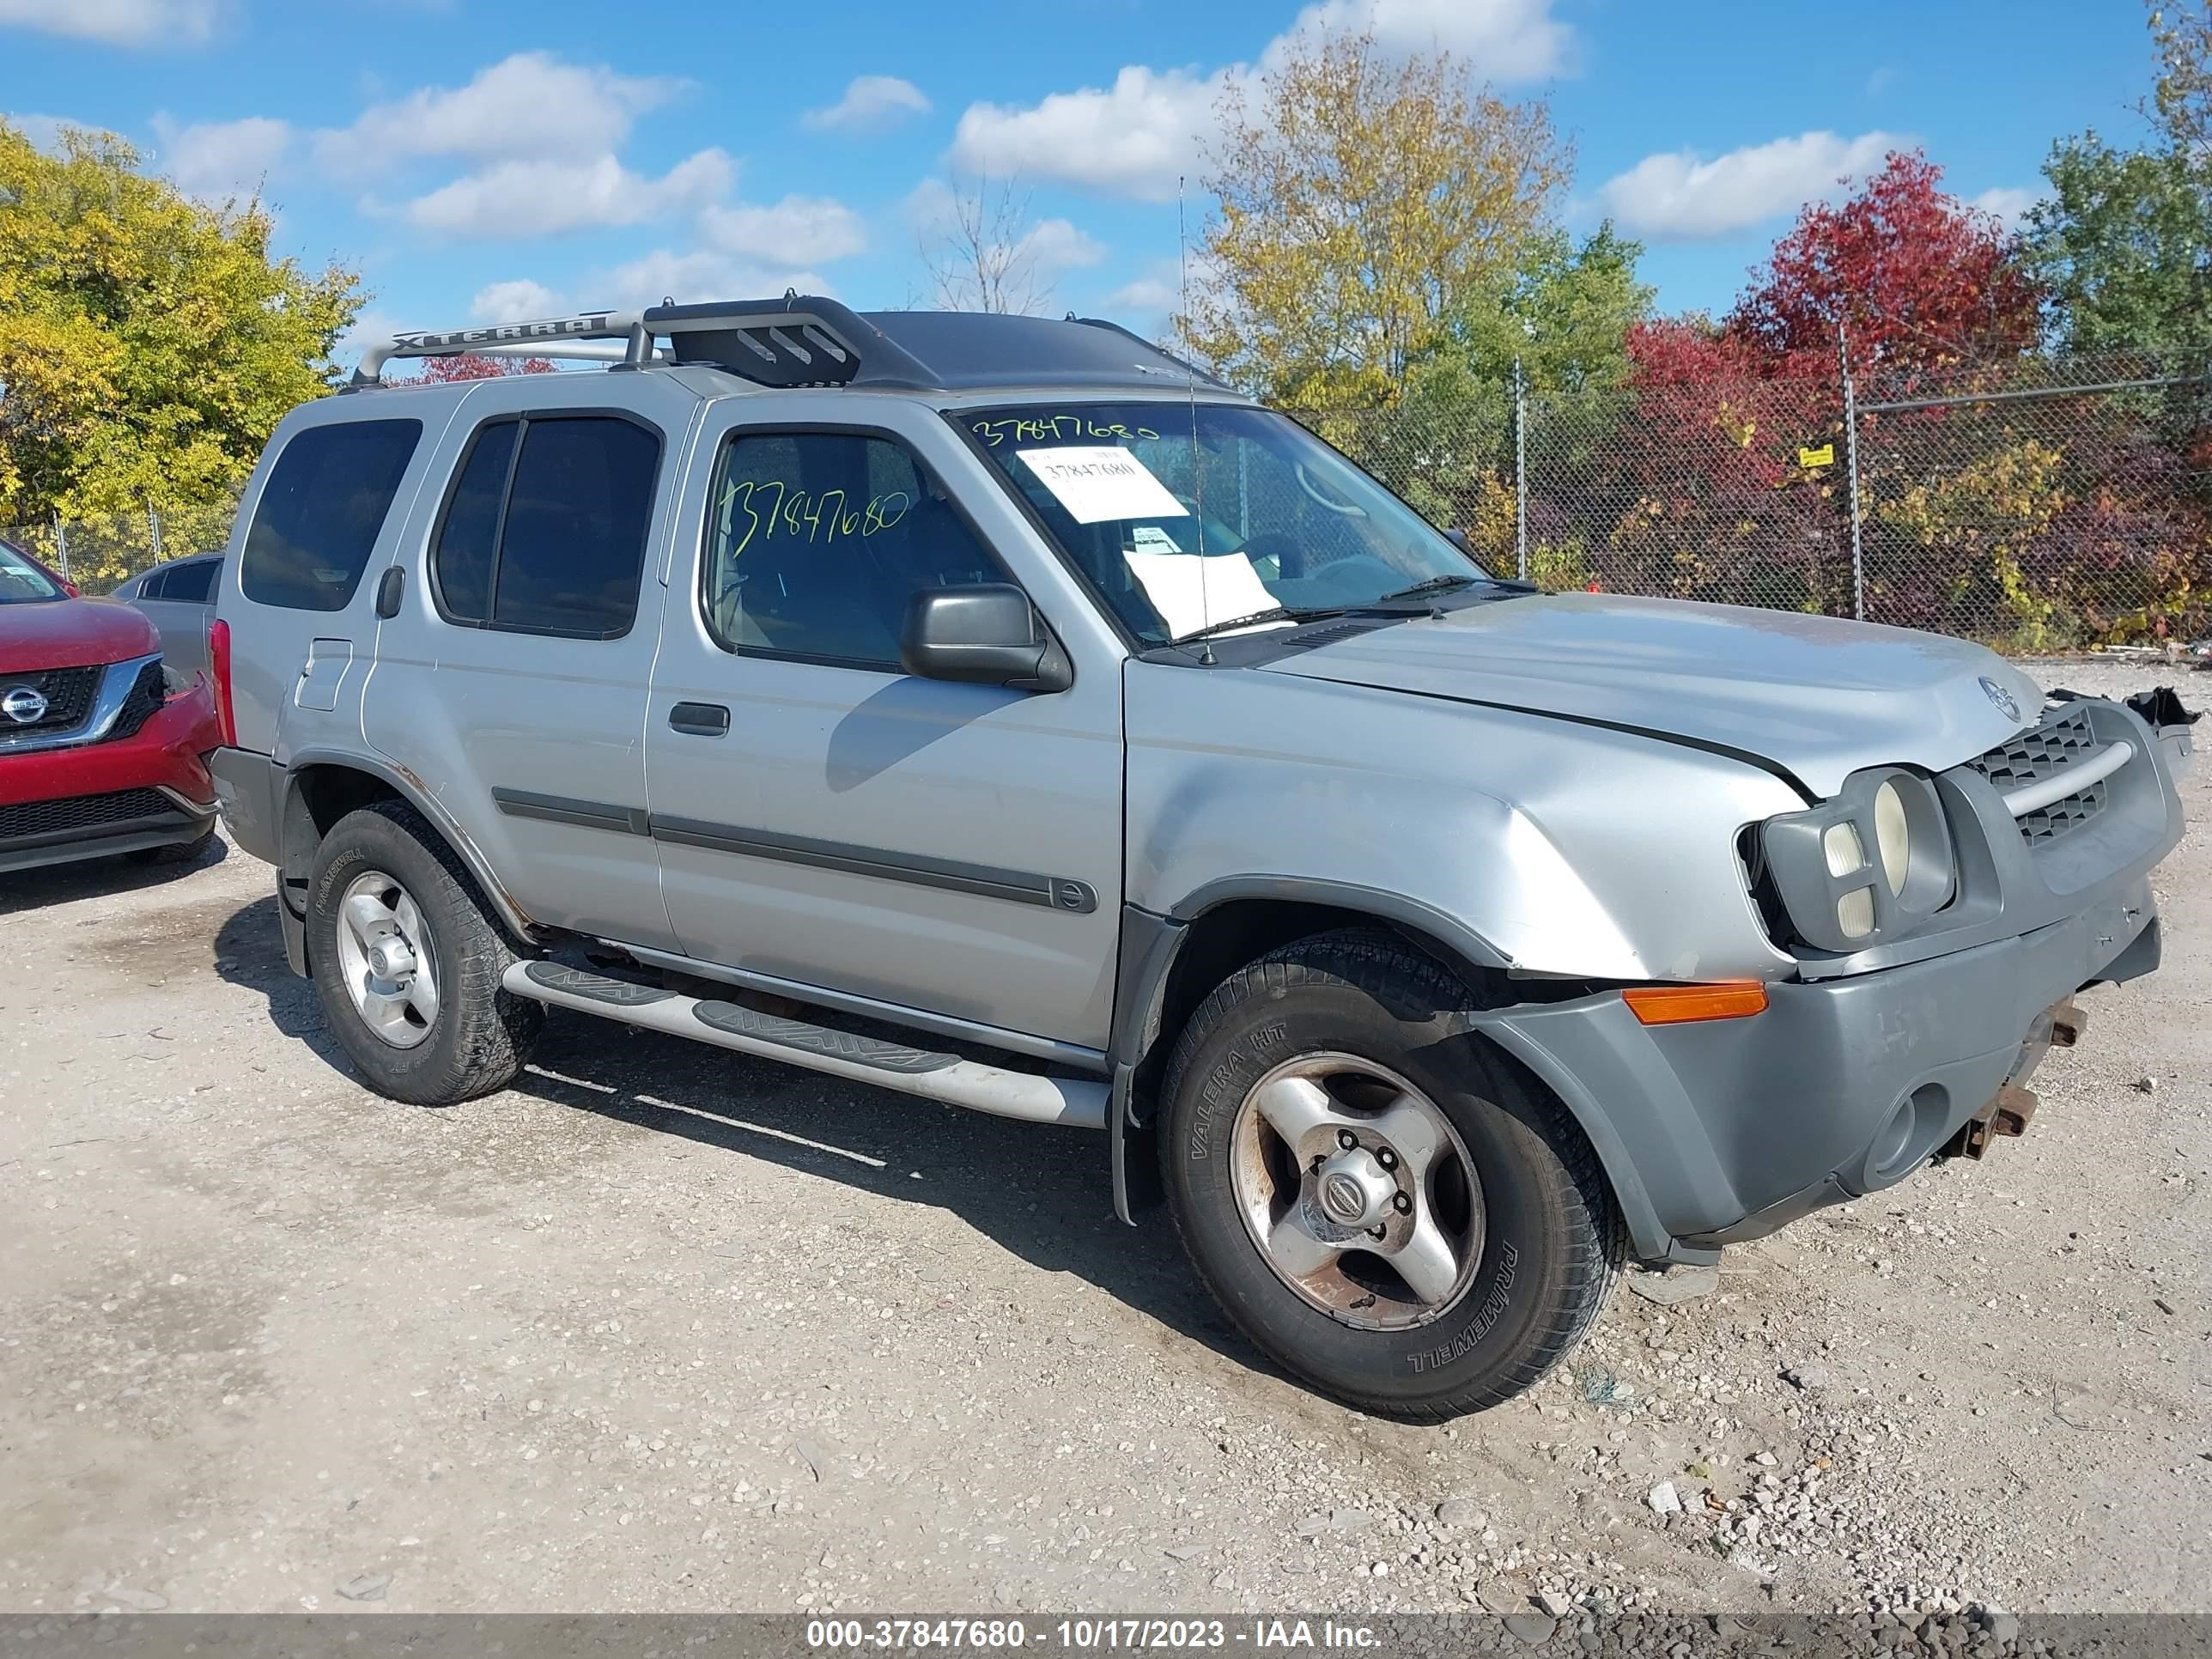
point(1376, 1198)
point(407, 962)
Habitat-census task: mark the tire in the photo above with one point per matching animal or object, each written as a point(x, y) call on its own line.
point(478, 1035)
point(1360, 1024)
point(176, 852)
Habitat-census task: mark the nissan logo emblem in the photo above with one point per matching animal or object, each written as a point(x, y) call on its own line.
point(1341, 1196)
point(26, 705)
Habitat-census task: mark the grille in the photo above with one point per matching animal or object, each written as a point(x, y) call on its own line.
point(68, 692)
point(2050, 748)
point(147, 693)
point(39, 818)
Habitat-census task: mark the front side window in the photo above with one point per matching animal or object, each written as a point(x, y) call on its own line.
point(1183, 517)
point(817, 541)
point(545, 529)
point(321, 512)
point(22, 582)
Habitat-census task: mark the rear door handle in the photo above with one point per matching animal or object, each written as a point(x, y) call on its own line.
point(700, 719)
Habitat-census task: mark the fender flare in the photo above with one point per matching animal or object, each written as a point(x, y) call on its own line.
point(1151, 944)
point(412, 790)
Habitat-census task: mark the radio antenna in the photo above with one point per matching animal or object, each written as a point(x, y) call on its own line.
point(1197, 458)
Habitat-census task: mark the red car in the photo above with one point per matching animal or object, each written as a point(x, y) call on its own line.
point(101, 750)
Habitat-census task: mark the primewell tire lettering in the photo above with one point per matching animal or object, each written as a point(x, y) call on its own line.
point(1493, 1308)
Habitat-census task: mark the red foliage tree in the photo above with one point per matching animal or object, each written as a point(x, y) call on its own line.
point(438, 371)
point(1918, 279)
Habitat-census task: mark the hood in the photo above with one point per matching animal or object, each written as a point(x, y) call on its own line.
point(1816, 696)
point(72, 633)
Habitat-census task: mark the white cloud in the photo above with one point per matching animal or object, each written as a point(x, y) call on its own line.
point(519, 301)
point(1134, 139)
point(528, 107)
point(696, 277)
point(1677, 196)
point(220, 160)
point(1505, 40)
point(115, 22)
point(1053, 246)
point(1151, 127)
point(545, 197)
point(870, 102)
point(1146, 293)
point(2009, 202)
point(44, 131)
point(799, 230)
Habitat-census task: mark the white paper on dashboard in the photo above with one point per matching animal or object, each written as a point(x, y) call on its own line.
point(1189, 591)
point(1098, 482)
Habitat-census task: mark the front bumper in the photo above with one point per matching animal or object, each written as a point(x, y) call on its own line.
point(149, 789)
point(1722, 1131)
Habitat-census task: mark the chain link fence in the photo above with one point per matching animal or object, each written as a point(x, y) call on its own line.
point(2040, 505)
point(99, 553)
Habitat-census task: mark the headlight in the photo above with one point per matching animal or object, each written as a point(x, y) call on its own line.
point(1868, 866)
point(1893, 833)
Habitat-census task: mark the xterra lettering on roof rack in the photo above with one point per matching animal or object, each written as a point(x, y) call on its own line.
point(807, 340)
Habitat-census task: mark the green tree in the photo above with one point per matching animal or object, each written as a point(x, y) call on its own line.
point(2123, 244)
point(148, 343)
point(1361, 204)
point(1564, 310)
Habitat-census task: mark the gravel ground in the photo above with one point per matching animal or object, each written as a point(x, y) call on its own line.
point(665, 1329)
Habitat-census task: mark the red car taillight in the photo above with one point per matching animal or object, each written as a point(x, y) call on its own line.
point(219, 661)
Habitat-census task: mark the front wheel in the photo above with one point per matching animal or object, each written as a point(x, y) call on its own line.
point(407, 962)
point(1373, 1195)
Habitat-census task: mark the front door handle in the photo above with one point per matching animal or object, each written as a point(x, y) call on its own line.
point(700, 719)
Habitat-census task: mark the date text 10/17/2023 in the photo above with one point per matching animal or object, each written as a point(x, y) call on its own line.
point(1084, 1635)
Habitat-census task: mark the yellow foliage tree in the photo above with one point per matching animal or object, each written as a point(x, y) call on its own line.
point(1360, 202)
point(1985, 519)
point(148, 343)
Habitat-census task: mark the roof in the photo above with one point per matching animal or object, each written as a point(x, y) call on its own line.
point(807, 340)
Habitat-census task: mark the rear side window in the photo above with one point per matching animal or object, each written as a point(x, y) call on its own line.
point(321, 511)
point(188, 584)
point(545, 529)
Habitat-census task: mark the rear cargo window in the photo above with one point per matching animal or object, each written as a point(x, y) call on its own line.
point(545, 529)
point(189, 584)
point(321, 511)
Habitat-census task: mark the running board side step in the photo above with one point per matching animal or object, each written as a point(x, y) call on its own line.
point(933, 1076)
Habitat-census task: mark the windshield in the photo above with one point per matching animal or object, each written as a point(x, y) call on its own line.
point(22, 581)
point(1257, 514)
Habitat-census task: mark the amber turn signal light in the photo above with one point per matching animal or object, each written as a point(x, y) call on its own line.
point(1674, 1005)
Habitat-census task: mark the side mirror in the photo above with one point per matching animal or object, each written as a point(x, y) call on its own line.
point(987, 633)
point(1458, 539)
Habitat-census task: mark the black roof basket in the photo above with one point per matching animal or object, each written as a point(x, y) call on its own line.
point(800, 340)
point(808, 340)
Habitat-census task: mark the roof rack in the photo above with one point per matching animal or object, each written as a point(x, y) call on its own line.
point(807, 340)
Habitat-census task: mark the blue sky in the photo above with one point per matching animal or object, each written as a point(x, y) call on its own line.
point(484, 161)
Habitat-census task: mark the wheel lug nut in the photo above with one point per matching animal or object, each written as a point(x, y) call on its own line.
point(1403, 1204)
point(1377, 1232)
point(1346, 1140)
point(1386, 1158)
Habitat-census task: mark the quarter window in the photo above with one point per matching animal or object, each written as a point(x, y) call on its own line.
point(321, 511)
point(816, 541)
point(546, 527)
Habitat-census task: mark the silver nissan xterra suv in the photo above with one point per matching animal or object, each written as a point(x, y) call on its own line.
point(999, 711)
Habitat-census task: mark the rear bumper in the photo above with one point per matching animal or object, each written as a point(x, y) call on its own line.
point(1722, 1131)
point(149, 789)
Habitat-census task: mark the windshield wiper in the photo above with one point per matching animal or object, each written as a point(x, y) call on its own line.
point(1302, 613)
point(1450, 581)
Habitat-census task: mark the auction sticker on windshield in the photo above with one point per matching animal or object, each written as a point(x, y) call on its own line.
point(1097, 482)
